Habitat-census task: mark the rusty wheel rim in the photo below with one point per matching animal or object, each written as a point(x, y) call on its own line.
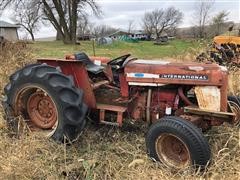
point(40, 109)
point(236, 110)
point(172, 151)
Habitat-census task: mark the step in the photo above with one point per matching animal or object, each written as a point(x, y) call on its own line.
point(108, 107)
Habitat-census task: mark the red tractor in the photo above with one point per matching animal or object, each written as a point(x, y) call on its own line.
point(180, 101)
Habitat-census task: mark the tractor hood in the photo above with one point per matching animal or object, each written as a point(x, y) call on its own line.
point(157, 72)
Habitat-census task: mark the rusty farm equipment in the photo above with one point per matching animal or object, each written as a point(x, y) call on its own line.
point(180, 101)
point(225, 50)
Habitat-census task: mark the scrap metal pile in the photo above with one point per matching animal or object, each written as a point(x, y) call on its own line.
point(225, 50)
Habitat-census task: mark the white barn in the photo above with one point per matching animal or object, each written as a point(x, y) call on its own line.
point(9, 31)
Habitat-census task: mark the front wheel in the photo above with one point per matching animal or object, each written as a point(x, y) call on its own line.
point(177, 143)
point(234, 106)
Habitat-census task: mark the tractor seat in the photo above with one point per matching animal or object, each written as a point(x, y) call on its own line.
point(90, 66)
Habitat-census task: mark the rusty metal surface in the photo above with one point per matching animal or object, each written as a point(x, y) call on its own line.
point(111, 107)
point(137, 107)
point(208, 97)
point(117, 109)
point(123, 85)
point(196, 110)
point(172, 151)
point(194, 119)
point(101, 115)
point(109, 96)
point(103, 60)
point(162, 99)
point(37, 106)
point(108, 73)
point(176, 73)
point(42, 110)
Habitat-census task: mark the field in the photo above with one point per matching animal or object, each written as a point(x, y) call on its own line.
point(105, 152)
point(142, 49)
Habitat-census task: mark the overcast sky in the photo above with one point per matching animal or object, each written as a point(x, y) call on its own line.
point(117, 13)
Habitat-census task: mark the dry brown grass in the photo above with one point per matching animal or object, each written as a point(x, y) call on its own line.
point(234, 82)
point(102, 152)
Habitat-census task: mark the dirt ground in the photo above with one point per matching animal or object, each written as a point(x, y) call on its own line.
point(102, 152)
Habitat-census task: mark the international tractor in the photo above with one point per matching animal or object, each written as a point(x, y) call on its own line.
point(179, 101)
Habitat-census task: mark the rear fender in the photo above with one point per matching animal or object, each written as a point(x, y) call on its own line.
point(77, 70)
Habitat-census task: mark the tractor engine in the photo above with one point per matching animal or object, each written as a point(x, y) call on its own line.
point(163, 102)
point(153, 103)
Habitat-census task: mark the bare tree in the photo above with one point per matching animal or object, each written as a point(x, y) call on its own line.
point(63, 14)
point(4, 4)
point(219, 20)
point(130, 26)
point(161, 20)
point(1, 6)
point(83, 25)
point(148, 25)
point(201, 15)
point(193, 31)
point(28, 15)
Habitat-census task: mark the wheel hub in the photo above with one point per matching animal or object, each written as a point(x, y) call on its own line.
point(172, 151)
point(41, 110)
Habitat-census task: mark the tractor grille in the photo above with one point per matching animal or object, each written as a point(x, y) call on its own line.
point(208, 97)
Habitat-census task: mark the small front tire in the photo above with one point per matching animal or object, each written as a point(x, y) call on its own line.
point(234, 106)
point(177, 143)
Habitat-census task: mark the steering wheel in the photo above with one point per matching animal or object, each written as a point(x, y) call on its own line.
point(119, 60)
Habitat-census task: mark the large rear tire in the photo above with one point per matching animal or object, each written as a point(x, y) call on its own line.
point(49, 99)
point(177, 143)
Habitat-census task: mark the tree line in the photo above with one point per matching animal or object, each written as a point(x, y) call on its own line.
point(62, 14)
point(69, 18)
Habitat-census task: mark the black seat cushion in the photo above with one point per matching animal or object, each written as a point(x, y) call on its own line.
point(90, 66)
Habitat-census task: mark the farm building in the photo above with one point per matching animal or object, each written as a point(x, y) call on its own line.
point(138, 35)
point(119, 34)
point(9, 31)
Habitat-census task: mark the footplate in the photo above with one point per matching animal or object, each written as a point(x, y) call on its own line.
point(196, 110)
